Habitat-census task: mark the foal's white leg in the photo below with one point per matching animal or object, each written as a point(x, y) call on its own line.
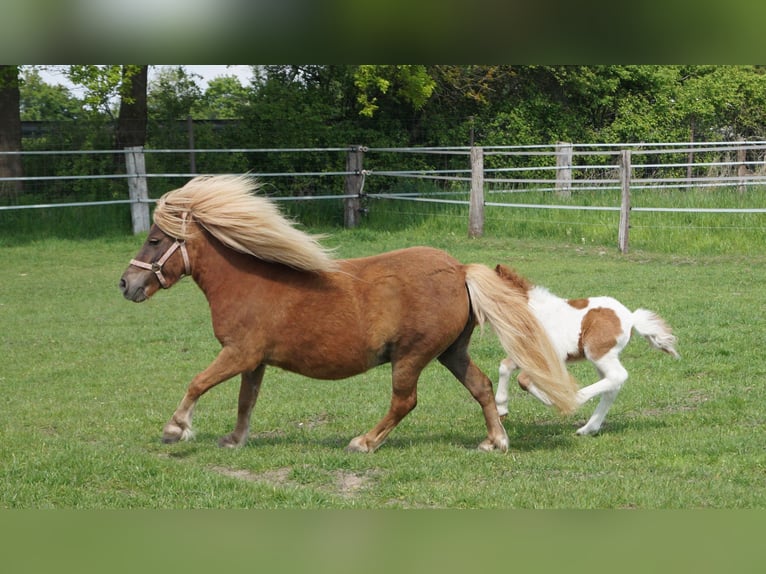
point(607, 388)
point(501, 396)
point(526, 383)
point(539, 395)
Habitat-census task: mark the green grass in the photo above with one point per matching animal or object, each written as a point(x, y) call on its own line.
point(89, 379)
point(662, 232)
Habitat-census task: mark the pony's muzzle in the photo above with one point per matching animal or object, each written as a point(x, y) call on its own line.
point(136, 293)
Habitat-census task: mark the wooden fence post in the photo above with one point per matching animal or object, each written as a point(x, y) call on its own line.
point(352, 206)
point(476, 208)
point(564, 169)
point(190, 133)
point(625, 176)
point(742, 167)
point(137, 188)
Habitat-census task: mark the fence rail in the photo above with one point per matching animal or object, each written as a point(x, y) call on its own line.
point(563, 169)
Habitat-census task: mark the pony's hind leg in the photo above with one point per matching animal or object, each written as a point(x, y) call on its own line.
point(403, 400)
point(507, 366)
point(457, 360)
point(248, 395)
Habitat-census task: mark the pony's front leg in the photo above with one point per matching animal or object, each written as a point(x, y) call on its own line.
point(507, 366)
point(179, 427)
point(248, 395)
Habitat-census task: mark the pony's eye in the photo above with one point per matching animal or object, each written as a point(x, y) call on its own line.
point(154, 241)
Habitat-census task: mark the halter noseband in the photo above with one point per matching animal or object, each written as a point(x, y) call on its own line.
point(156, 267)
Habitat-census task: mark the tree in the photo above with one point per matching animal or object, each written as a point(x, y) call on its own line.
point(172, 94)
point(10, 129)
point(411, 84)
point(43, 102)
point(132, 118)
point(104, 85)
point(225, 99)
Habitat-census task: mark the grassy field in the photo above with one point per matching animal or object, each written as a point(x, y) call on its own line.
point(88, 380)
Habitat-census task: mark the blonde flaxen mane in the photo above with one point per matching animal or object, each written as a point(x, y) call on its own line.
point(227, 207)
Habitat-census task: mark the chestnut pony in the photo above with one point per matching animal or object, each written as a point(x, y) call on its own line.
point(277, 297)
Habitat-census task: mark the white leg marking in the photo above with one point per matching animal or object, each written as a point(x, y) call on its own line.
point(501, 396)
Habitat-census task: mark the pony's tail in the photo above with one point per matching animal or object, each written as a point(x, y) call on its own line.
point(654, 329)
point(520, 334)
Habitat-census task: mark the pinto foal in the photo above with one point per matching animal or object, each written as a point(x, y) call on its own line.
point(596, 329)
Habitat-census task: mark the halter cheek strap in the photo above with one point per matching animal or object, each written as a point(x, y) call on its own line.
point(156, 267)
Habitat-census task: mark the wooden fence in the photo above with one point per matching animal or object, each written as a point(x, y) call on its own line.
point(563, 169)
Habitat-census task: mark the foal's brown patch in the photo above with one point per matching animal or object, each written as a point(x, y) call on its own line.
point(599, 331)
point(578, 303)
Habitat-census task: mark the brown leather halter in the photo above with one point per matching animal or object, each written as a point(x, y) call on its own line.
point(156, 267)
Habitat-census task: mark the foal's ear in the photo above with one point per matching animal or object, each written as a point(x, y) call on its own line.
point(504, 271)
point(508, 274)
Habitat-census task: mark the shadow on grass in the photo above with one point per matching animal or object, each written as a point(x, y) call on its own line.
point(548, 437)
point(523, 437)
point(558, 434)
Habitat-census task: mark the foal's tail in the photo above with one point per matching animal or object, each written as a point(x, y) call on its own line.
point(654, 329)
point(520, 334)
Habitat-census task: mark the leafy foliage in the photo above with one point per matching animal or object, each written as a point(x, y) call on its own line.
point(384, 106)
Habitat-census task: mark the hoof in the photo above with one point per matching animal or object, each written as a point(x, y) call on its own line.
point(173, 433)
point(585, 431)
point(229, 441)
point(488, 446)
point(358, 445)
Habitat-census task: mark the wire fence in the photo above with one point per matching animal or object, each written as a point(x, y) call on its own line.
point(554, 177)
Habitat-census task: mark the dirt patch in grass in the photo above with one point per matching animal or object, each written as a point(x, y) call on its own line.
point(345, 484)
point(277, 476)
point(348, 484)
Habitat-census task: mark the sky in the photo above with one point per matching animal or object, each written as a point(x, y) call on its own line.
point(207, 73)
point(211, 72)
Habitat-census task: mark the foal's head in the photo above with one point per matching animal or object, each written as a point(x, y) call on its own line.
point(160, 263)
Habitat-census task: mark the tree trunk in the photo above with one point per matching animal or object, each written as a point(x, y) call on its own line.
point(10, 130)
point(132, 118)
